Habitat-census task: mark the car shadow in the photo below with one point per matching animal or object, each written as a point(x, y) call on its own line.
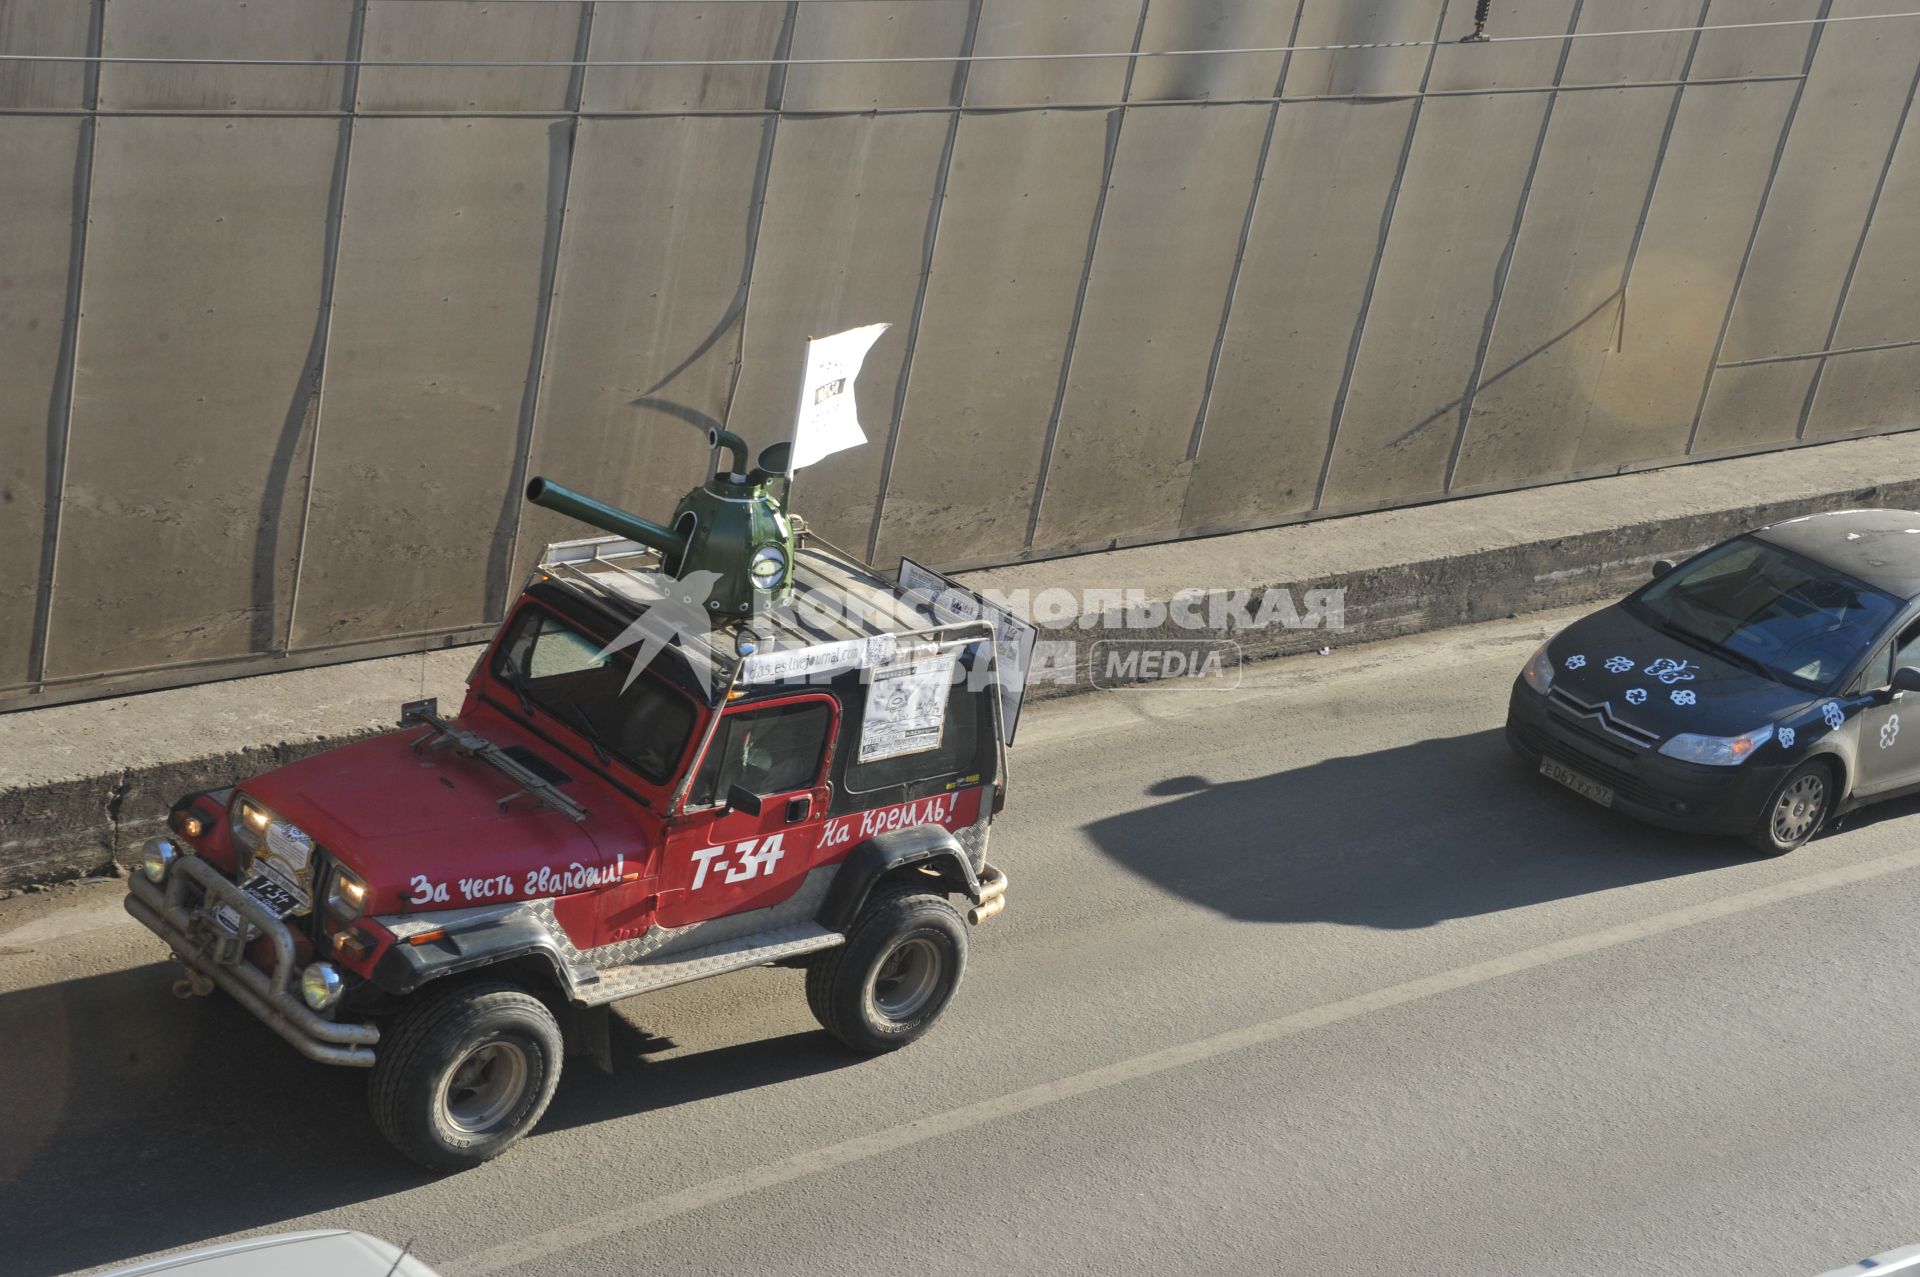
point(1451, 827)
point(134, 1123)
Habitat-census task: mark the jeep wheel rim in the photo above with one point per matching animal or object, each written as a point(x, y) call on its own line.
point(1798, 809)
point(908, 979)
point(484, 1086)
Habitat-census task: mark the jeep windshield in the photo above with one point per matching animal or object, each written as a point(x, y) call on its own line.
point(554, 667)
point(1796, 621)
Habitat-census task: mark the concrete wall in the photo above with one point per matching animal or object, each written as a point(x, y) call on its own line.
point(280, 345)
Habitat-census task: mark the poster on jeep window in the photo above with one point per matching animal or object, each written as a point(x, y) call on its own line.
point(906, 706)
point(1013, 638)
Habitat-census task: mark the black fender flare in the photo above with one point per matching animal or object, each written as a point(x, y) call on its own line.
point(404, 968)
point(885, 853)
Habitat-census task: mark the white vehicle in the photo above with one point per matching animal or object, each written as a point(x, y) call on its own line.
point(334, 1252)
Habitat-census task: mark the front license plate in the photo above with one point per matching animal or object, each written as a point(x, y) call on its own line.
point(1576, 782)
point(275, 897)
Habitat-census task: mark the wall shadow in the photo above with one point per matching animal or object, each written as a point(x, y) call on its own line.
point(134, 1122)
point(1451, 827)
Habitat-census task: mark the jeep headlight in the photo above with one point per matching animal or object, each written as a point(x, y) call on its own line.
point(1717, 751)
point(347, 896)
point(321, 985)
point(1539, 670)
point(156, 857)
point(249, 822)
point(768, 565)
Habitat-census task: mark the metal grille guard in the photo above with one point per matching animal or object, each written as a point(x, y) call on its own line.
point(271, 998)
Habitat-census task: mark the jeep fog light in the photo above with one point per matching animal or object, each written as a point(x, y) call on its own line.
point(156, 857)
point(321, 985)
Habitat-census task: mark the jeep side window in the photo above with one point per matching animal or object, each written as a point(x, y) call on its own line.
point(958, 750)
point(765, 751)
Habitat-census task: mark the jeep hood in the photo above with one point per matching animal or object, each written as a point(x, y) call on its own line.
point(426, 829)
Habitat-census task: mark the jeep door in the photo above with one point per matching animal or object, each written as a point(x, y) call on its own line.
point(724, 860)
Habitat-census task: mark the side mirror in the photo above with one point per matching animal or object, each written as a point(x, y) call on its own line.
point(742, 799)
point(1661, 567)
point(1906, 679)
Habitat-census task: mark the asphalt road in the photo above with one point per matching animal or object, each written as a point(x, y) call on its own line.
point(1308, 977)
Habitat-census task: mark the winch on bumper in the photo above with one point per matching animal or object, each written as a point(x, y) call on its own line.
point(205, 947)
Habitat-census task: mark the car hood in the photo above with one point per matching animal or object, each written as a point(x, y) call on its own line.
point(426, 829)
point(1657, 683)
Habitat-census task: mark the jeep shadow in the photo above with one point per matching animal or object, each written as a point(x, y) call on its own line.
point(1451, 827)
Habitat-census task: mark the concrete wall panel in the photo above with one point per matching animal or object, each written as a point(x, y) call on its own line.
point(842, 244)
point(1632, 59)
point(433, 329)
point(456, 31)
point(1880, 306)
point(1644, 401)
point(1503, 66)
point(180, 519)
point(45, 26)
point(1433, 297)
point(1752, 405)
point(38, 157)
point(675, 31)
point(1560, 311)
point(1020, 26)
point(1213, 24)
point(1168, 236)
point(1013, 242)
point(874, 29)
point(299, 29)
point(1867, 392)
point(1726, 55)
point(1828, 174)
point(646, 316)
point(1366, 71)
point(1308, 259)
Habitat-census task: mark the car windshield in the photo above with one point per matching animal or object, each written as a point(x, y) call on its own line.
point(562, 671)
point(1802, 623)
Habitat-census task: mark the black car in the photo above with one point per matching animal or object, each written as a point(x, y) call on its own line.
point(1755, 689)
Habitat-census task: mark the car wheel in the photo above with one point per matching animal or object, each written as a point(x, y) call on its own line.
point(895, 974)
point(463, 1075)
point(1796, 810)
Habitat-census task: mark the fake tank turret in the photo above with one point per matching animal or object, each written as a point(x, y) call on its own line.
point(734, 526)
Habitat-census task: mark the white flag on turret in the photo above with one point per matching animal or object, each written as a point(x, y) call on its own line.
point(827, 422)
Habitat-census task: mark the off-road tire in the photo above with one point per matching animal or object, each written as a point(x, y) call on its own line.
point(1795, 810)
point(465, 1034)
point(908, 948)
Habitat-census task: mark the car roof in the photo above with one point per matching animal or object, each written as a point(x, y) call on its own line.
point(1880, 547)
point(622, 577)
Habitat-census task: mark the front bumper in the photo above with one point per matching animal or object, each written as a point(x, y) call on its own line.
point(165, 911)
point(1646, 784)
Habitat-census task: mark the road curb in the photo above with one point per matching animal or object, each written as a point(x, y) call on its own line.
point(1395, 573)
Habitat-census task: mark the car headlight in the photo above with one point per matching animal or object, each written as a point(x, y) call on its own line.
point(156, 857)
point(321, 985)
point(768, 565)
point(1717, 751)
point(347, 896)
point(249, 822)
point(1539, 670)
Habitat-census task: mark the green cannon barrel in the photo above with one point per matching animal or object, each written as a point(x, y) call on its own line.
point(671, 544)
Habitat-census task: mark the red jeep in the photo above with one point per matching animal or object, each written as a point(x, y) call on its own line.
point(450, 903)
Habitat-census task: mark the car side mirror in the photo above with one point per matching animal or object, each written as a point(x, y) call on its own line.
point(1661, 567)
point(1906, 679)
point(740, 798)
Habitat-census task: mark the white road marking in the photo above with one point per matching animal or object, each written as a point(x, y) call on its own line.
point(879, 1143)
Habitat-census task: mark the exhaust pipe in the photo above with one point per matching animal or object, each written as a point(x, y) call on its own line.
point(986, 909)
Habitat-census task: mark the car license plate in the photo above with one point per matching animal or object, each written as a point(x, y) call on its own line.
point(1576, 782)
point(278, 900)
